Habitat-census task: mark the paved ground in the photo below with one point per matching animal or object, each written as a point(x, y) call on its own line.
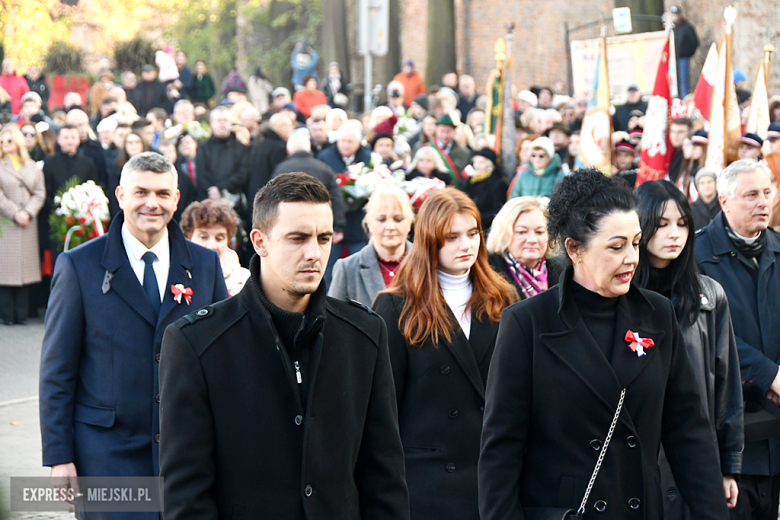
point(20, 438)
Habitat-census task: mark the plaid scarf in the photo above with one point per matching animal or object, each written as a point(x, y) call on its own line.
point(531, 281)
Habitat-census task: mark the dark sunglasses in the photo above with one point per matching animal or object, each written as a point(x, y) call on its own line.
point(29, 135)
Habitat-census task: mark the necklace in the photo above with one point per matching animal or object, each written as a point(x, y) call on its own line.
point(390, 272)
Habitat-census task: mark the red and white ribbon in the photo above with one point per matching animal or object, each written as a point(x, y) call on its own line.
point(179, 290)
point(638, 344)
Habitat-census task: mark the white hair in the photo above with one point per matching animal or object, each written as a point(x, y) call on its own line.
point(107, 125)
point(298, 142)
point(353, 127)
point(727, 179)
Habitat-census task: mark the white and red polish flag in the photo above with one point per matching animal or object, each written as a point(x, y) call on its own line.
point(656, 147)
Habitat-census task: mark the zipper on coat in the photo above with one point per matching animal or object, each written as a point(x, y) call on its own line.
point(298, 373)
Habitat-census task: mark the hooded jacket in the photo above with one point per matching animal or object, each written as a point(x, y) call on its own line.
point(533, 185)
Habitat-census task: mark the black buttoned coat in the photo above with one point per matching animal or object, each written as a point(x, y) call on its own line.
point(441, 398)
point(238, 438)
point(550, 400)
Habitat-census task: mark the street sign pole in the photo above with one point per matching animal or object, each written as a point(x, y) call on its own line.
point(373, 20)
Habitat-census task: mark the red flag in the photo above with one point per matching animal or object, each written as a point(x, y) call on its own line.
point(702, 96)
point(656, 147)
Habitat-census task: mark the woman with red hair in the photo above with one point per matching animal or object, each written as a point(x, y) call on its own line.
point(442, 311)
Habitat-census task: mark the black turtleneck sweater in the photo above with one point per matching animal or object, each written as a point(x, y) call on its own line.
point(296, 331)
point(599, 314)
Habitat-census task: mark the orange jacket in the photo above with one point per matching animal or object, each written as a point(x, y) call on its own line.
point(413, 86)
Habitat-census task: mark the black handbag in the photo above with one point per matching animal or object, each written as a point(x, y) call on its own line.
point(762, 415)
point(562, 513)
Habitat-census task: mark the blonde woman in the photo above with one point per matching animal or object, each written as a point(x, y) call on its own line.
point(388, 221)
point(22, 195)
point(428, 163)
point(518, 246)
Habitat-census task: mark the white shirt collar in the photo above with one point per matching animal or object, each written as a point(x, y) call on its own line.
point(135, 249)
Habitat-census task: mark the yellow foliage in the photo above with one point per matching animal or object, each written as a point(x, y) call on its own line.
point(28, 29)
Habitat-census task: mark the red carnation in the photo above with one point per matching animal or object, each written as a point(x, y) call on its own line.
point(80, 232)
point(82, 220)
point(69, 220)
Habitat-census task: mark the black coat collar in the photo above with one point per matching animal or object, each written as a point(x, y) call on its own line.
point(576, 348)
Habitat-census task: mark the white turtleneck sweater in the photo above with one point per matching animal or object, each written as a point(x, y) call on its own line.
point(457, 292)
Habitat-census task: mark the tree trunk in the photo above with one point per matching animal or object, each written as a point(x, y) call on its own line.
point(242, 35)
point(386, 67)
point(441, 40)
point(654, 7)
point(333, 42)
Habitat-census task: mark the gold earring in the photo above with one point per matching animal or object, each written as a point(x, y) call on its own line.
point(579, 263)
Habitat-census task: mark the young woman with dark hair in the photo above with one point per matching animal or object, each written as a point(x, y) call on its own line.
point(668, 266)
point(442, 311)
point(592, 360)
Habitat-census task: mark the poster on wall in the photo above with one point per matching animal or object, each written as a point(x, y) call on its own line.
point(631, 59)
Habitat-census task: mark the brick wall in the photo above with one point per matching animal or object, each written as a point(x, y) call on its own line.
point(540, 56)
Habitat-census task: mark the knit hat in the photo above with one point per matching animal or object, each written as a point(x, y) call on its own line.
point(290, 106)
point(421, 100)
point(636, 132)
point(384, 130)
point(774, 132)
point(446, 120)
point(705, 172)
point(233, 83)
point(752, 140)
point(739, 75)
point(409, 63)
point(488, 154)
point(546, 144)
point(700, 137)
point(625, 146)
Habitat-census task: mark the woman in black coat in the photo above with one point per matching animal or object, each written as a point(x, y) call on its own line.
point(487, 186)
point(442, 311)
point(562, 361)
point(668, 266)
point(518, 246)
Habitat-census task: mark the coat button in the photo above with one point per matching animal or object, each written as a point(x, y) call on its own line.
point(157, 357)
point(600, 506)
point(714, 257)
point(450, 467)
point(634, 503)
point(157, 438)
point(298, 419)
point(631, 441)
point(157, 398)
point(596, 444)
point(308, 490)
point(445, 369)
point(453, 414)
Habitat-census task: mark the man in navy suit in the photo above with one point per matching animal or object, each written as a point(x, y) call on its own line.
point(111, 300)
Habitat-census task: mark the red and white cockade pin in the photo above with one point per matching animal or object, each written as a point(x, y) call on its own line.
point(179, 290)
point(637, 344)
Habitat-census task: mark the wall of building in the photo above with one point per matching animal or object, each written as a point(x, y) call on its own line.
point(540, 56)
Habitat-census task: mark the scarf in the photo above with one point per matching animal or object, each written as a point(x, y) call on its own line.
point(531, 281)
point(752, 249)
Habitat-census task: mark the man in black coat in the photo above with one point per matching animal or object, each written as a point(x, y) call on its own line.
point(623, 113)
point(89, 147)
point(301, 421)
point(150, 93)
point(221, 163)
point(266, 155)
point(740, 252)
point(685, 44)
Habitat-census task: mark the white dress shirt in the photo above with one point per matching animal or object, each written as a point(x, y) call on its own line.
point(135, 252)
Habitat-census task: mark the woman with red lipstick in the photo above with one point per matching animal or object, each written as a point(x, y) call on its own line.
point(590, 377)
point(668, 266)
point(442, 312)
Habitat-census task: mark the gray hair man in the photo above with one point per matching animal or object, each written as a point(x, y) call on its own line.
point(742, 253)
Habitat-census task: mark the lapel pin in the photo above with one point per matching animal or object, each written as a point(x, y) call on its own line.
point(637, 344)
point(107, 281)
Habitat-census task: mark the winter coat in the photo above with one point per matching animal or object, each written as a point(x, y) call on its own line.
point(202, 90)
point(754, 297)
point(305, 101)
point(354, 230)
point(16, 86)
point(414, 85)
point(713, 351)
point(264, 157)
point(703, 212)
point(530, 184)
point(440, 391)
point(488, 194)
point(300, 71)
point(222, 163)
point(685, 40)
point(241, 439)
point(149, 95)
point(40, 87)
point(552, 395)
point(306, 163)
point(20, 190)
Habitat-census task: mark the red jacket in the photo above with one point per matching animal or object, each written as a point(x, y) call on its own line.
point(413, 86)
point(16, 86)
point(305, 101)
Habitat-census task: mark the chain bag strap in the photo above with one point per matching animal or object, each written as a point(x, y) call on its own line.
point(581, 510)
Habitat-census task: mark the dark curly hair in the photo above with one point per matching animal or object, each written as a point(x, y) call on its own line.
point(206, 214)
point(580, 202)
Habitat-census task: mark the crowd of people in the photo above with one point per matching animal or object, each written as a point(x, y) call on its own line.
point(462, 358)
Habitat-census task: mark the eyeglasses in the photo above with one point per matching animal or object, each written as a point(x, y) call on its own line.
point(29, 134)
